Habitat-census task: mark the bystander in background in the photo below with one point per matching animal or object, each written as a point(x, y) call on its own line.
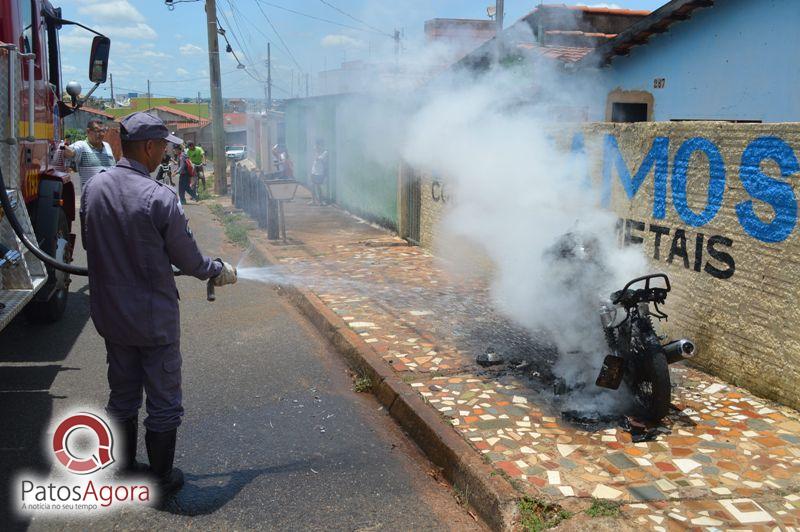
point(93, 154)
point(319, 174)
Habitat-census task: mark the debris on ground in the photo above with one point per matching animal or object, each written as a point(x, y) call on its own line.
point(489, 358)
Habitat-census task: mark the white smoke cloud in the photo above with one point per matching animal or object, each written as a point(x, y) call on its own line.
point(515, 189)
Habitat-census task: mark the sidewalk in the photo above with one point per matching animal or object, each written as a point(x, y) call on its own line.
point(723, 459)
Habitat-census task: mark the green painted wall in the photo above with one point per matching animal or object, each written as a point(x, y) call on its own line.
point(362, 179)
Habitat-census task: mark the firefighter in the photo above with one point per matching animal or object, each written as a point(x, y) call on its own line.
point(134, 229)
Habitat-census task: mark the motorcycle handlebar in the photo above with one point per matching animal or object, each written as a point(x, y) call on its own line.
point(646, 279)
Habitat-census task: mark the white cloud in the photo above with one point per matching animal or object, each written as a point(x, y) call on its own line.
point(151, 53)
point(68, 69)
point(181, 71)
point(139, 30)
point(112, 11)
point(190, 49)
point(75, 41)
point(334, 40)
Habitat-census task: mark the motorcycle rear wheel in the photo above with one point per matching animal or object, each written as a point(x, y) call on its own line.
point(650, 385)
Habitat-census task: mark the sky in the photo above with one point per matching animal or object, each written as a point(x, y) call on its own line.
point(169, 47)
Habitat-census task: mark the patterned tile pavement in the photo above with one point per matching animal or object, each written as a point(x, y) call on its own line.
point(723, 459)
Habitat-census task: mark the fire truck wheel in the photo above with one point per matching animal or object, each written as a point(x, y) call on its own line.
point(51, 310)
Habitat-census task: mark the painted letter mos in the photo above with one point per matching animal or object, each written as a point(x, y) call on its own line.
point(772, 190)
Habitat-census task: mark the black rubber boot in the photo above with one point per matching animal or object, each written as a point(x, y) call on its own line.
point(161, 452)
point(128, 464)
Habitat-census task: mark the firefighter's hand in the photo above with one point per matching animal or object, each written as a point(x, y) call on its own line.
point(227, 275)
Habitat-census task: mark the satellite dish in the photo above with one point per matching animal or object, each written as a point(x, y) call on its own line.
point(122, 101)
point(491, 11)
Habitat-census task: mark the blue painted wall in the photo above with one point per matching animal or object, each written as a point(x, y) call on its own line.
point(738, 60)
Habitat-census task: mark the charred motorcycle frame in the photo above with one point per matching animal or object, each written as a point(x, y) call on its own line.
point(638, 358)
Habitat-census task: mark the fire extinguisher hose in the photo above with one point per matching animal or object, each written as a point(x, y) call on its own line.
point(5, 201)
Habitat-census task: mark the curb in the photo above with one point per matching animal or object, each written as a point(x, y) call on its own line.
point(491, 495)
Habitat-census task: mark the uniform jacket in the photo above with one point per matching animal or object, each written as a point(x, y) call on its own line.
point(134, 229)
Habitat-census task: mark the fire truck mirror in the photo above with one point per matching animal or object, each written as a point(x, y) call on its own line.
point(98, 62)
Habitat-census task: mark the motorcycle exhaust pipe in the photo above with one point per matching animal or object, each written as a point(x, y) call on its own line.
point(679, 350)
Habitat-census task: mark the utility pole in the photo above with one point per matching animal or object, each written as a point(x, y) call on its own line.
point(198, 103)
point(269, 76)
point(499, 15)
point(111, 79)
point(149, 105)
point(397, 46)
point(217, 128)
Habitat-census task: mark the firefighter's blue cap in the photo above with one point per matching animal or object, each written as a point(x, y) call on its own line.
point(144, 126)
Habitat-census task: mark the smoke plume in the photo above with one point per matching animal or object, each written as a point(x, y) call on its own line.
point(497, 140)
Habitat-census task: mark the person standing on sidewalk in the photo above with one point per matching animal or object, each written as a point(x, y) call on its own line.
point(165, 170)
point(319, 173)
point(283, 163)
point(134, 230)
point(198, 158)
point(93, 154)
point(185, 173)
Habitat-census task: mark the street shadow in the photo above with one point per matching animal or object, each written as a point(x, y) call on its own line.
point(26, 341)
point(199, 497)
point(31, 357)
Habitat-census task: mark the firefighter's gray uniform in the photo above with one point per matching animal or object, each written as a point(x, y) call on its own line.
point(134, 230)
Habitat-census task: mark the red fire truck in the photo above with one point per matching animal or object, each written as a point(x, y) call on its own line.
point(37, 198)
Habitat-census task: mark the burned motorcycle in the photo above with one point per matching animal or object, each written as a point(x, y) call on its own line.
point(638, 357)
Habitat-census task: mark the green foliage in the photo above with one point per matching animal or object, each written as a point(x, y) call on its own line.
point(603, 508)
point(141, 104)
point(234, 225)
point(236, 232)
point(362, 384)
point(536, 515)
point(72, 134)
point(207, 192)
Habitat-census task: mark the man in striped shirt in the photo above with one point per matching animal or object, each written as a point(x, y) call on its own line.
point(93, 154)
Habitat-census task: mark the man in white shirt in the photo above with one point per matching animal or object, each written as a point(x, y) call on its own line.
point(93, 154)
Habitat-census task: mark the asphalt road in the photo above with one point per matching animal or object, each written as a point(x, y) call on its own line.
point(273, 436)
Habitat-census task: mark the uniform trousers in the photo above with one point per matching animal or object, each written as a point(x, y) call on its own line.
point(154, 369)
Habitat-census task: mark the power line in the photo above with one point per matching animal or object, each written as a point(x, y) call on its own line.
point(276, 6)
point(348, 15)
point(236, 39)
point(279, 37)
point(228, 47)
point(187, 79)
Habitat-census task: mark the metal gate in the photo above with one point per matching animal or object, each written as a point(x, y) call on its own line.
point(413, 195)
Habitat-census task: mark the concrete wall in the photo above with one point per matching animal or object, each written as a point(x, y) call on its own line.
point(734, 61)
point(714, 205)
point(263, 132)
point(361, 180)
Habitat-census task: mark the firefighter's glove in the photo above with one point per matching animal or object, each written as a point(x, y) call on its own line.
point(227, 275)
